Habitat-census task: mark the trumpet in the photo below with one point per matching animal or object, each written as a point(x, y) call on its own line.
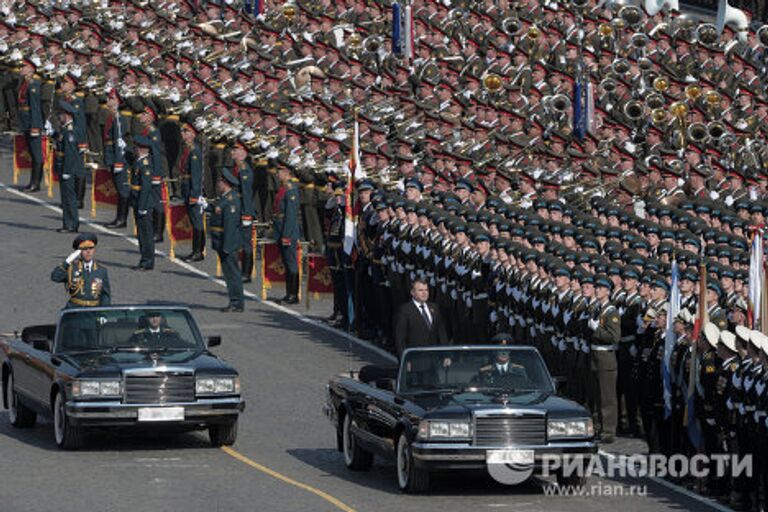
point(620, 66)
point(608, 85)
point(716, 130)
point(707, 34)
point(655, 101)
point(511, 26)
point(639, 41)
point(634, 110)
point(762, 36)
point(631, 15)
point(659, 117)
point(697, 133)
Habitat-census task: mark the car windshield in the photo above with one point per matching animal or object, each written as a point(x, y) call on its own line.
point(131, 330)
point(471, 370)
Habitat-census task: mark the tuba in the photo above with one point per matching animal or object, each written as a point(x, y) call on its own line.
point(706, 34)
point(634, 110)
point(716, 130)
point(631, 14)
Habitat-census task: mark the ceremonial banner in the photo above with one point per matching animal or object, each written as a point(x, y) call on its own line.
point(181, 227)
point(165, 198)
point(319, 279)
point(22, 160)
point(669, 340)
point(49, 156)
point(103, 187)
point(274, 270)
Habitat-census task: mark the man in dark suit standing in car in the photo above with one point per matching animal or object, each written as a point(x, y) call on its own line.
point(418, 321)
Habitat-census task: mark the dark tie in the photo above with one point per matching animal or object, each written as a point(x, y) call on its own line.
point(426, 316)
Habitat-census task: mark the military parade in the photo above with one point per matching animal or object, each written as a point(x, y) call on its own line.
point(589, 178)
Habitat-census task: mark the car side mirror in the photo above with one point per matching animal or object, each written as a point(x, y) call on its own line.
point(386, 384)
point(42, 345)
point(214, 341)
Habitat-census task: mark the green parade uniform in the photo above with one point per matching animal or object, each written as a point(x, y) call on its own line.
point(225, 240)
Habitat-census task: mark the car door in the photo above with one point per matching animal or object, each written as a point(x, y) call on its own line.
point(382, 416)
point(20, 357)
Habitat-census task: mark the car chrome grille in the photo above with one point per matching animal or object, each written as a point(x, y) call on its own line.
point(508, 430)
point(159, 389)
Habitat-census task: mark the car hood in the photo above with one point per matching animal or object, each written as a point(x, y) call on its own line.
point(467, 404)
point(118, 362)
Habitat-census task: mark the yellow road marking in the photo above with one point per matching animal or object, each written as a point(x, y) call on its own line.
point(271, 472)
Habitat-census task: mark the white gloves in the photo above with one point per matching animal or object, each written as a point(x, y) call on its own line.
point(593, 324)
point(633, 350)
point(72, 257)
point(202, 202)
point(246, 223)
point(142, 213)
point(48, 128)
point(66, 176)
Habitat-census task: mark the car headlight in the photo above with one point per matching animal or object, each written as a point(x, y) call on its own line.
point(217, 386)
point(92, 388)
point(570, 428)
point(438, 429)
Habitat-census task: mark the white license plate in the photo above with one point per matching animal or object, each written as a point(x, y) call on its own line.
point(509, 456)
point(161, 413)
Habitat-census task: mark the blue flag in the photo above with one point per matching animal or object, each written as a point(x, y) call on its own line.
point(578, 110)
point(669, 341)
point(397, 47)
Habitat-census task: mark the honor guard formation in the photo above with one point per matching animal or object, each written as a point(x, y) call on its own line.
point(587, 177)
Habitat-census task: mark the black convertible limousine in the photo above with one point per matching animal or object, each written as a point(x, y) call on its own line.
point(119, 366)
point(456, 408)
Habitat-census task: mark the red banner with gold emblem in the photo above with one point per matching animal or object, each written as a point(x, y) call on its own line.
point(104, 188)
point(22, 160)
point(274, 270)
point(181, 227)
point(319, 278)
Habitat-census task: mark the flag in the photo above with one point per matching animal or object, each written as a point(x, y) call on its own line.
point(103, 187)
point(589, 117)
point(319, 279)
point(408, 29)
point(756, 278)
point(690, 420)
point(578, 109)
point(397, 47)
point(349, 216)
point(22, 160)
point(669, 341)
point(181, 227)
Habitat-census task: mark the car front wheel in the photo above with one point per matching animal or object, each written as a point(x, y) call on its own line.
point(68, 436)
point(223, 435)
point(409, 478)
point(19, 414)
point(355, 457)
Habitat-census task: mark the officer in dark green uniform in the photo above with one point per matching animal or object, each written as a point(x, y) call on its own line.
point(144, 202)
point(69, 167)
point(118, 152)
point(191, 179)
point(86, 281)
point(159, 168)
point(241, 170)
point(70, 95)
point(31, 121)
point(287, 231)
point(606, 334)
point(225, 237)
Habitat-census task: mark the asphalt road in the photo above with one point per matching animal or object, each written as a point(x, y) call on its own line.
point(285, 457)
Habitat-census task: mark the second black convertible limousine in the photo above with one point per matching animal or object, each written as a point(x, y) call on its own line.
point(119, 366)
point(455, 408)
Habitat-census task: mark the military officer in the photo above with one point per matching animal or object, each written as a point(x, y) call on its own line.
point(226, 237)
point(190, 166)
point(144, 202)
point(241, 170)
point(118, 152)
point(68, 167)
point(86, 281)
point(31, 120)
point(287, 232)
point(606, 334)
